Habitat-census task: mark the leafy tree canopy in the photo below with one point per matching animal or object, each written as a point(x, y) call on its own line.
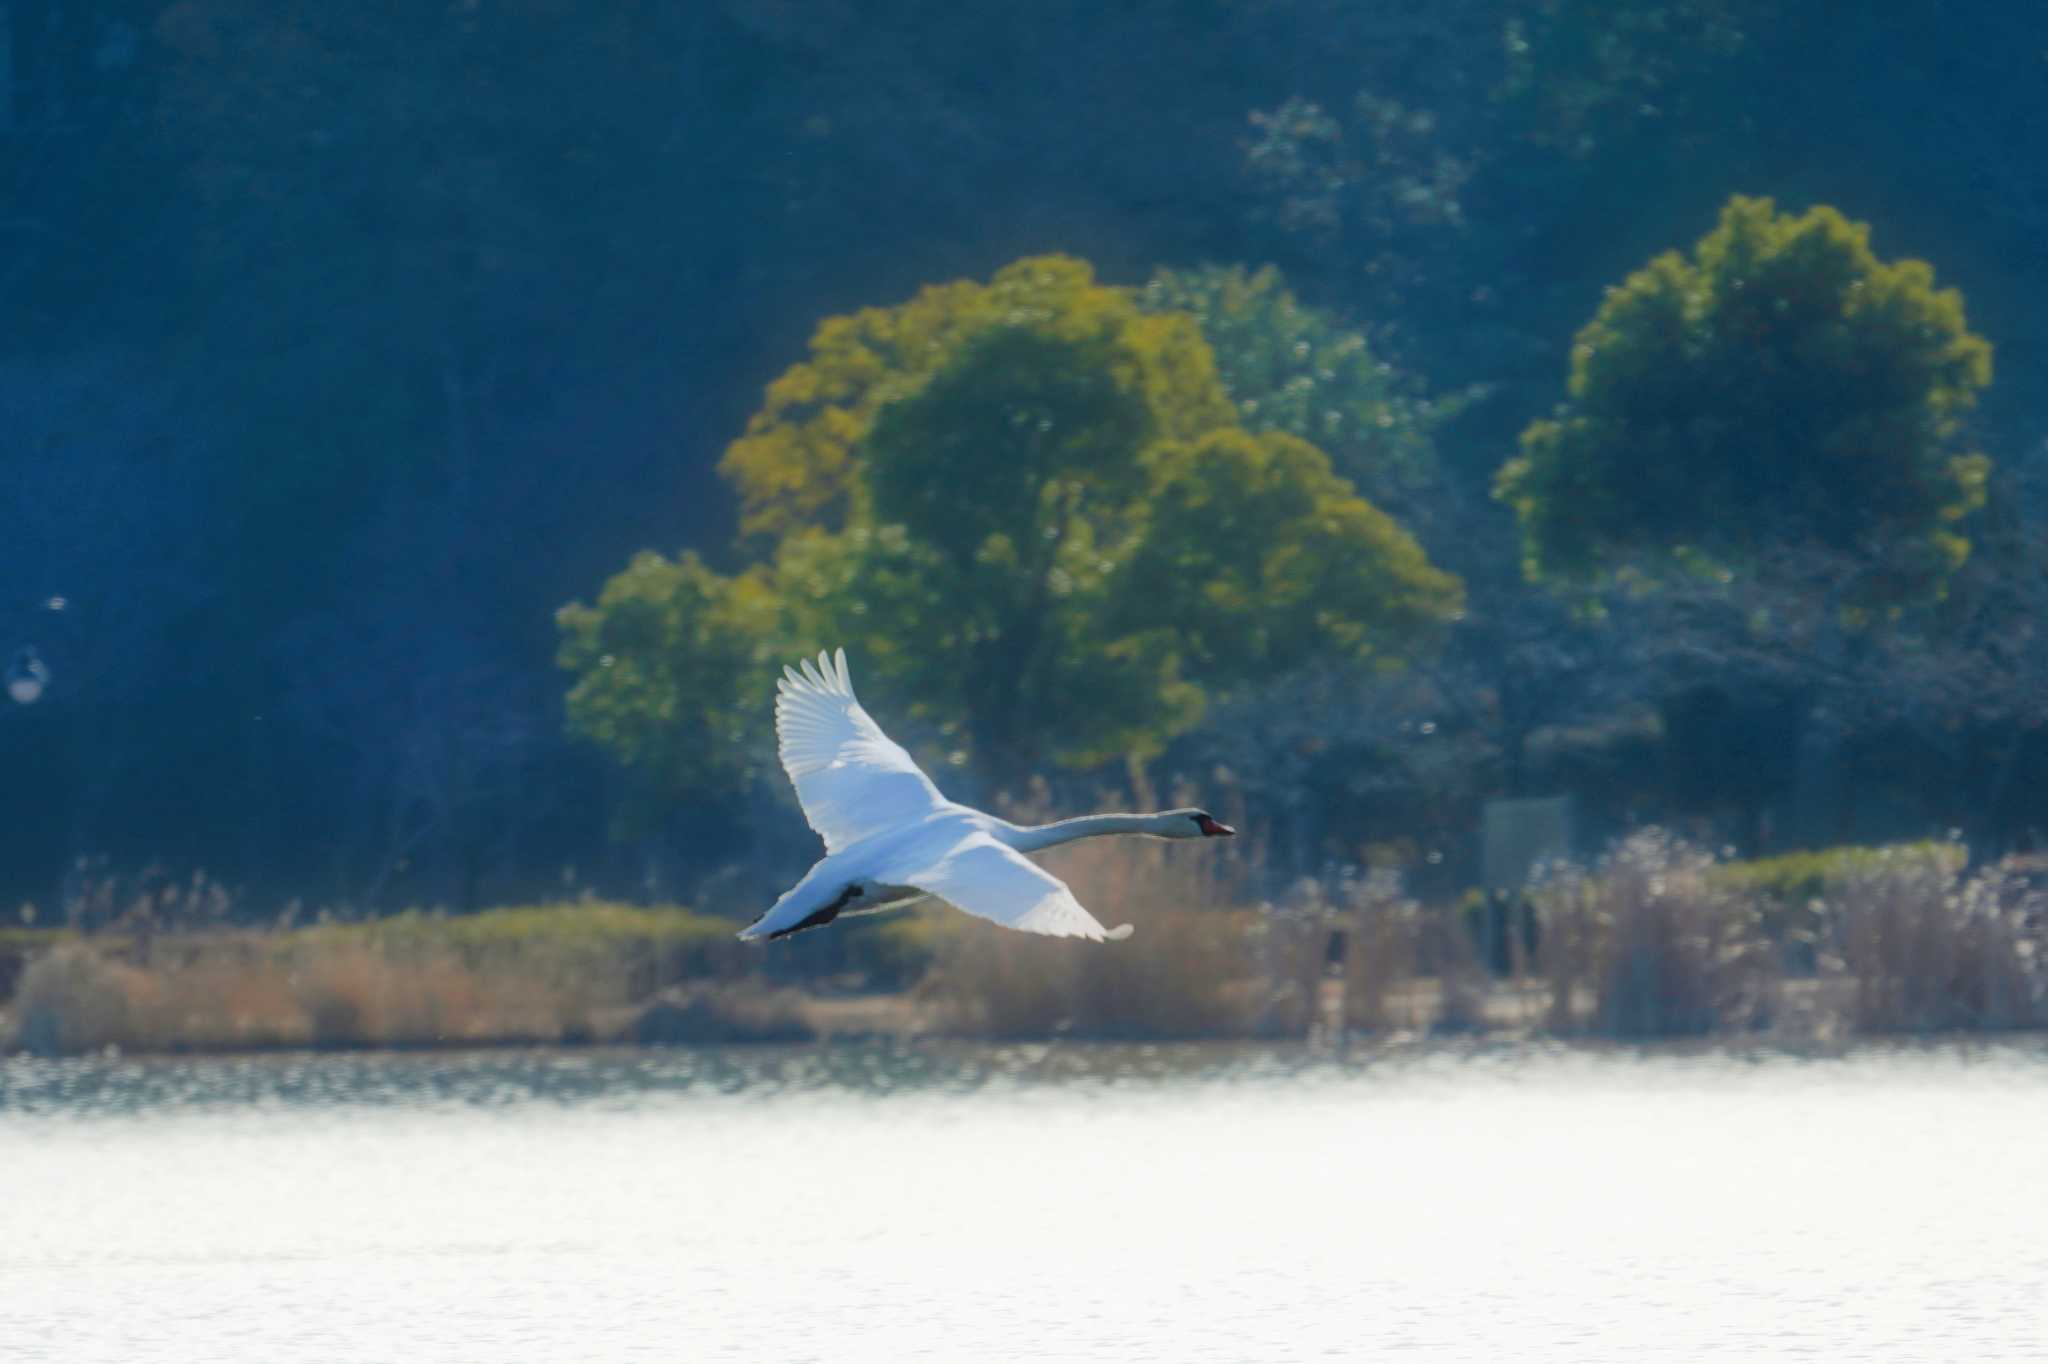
point(1026, 507)
point(1295, 368)
point(1779, 386)
point(669, 678)
point(795, 466)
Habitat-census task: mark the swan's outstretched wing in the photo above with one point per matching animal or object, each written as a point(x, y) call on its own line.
point(995, 882)
point(852, 780)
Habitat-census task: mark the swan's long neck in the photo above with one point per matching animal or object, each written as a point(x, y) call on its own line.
point(1032, 837)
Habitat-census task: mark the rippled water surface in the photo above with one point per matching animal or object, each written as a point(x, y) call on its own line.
point(1027, 1203)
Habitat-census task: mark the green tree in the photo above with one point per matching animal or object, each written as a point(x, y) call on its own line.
point(1027, 510)
point(797, 464)
point(1780, 386)
point(1297, 369)
point(669, 675)
point(1260, 559)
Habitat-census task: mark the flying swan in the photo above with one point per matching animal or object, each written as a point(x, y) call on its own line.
point(891, 838)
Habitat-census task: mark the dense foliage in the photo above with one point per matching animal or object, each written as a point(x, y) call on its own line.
point(1295, 368)
point(1026, 508)
point(340, 345)
point(1780, 384)
point(670, 681)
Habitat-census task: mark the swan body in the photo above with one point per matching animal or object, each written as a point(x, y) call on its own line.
point(891, 838)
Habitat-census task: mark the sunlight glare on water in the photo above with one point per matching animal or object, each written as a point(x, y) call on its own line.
point(1026, 1203)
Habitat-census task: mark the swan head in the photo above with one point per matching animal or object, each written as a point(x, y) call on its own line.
point(1191, 823)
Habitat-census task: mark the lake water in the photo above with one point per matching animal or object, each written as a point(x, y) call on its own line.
point(1065, 1203)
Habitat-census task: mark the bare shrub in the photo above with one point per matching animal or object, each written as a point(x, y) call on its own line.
point(1647, 945)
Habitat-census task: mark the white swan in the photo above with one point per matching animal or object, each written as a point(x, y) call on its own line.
point(891, 838)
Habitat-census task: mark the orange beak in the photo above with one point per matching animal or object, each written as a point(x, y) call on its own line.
point(1211, 829)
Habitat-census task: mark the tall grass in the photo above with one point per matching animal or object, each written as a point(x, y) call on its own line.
point(1792, 890)
point(1207, 960)
point(231, 995)
point(1195, 968)
point(1400, 966)
point(575, 945)
point(1659, 940)
point(1649, 944)
point(1655, 940)
point(543, 974)
point(1925, 950)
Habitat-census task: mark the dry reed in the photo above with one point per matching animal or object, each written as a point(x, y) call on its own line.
point(1193, 970)
point(1924, 950)
point(1207, 959)
point(547, 975)
point(1654, 941)
point(1648, 945)
point(1401, 967)
point(233, 996)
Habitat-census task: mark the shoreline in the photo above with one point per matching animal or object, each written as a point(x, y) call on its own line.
point(1662, 945)
point(756, 1014)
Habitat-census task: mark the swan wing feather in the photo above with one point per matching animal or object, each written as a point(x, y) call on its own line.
point(852, 780)
point(991, 881)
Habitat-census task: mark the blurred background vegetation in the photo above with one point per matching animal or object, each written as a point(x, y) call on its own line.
point(425, 430)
